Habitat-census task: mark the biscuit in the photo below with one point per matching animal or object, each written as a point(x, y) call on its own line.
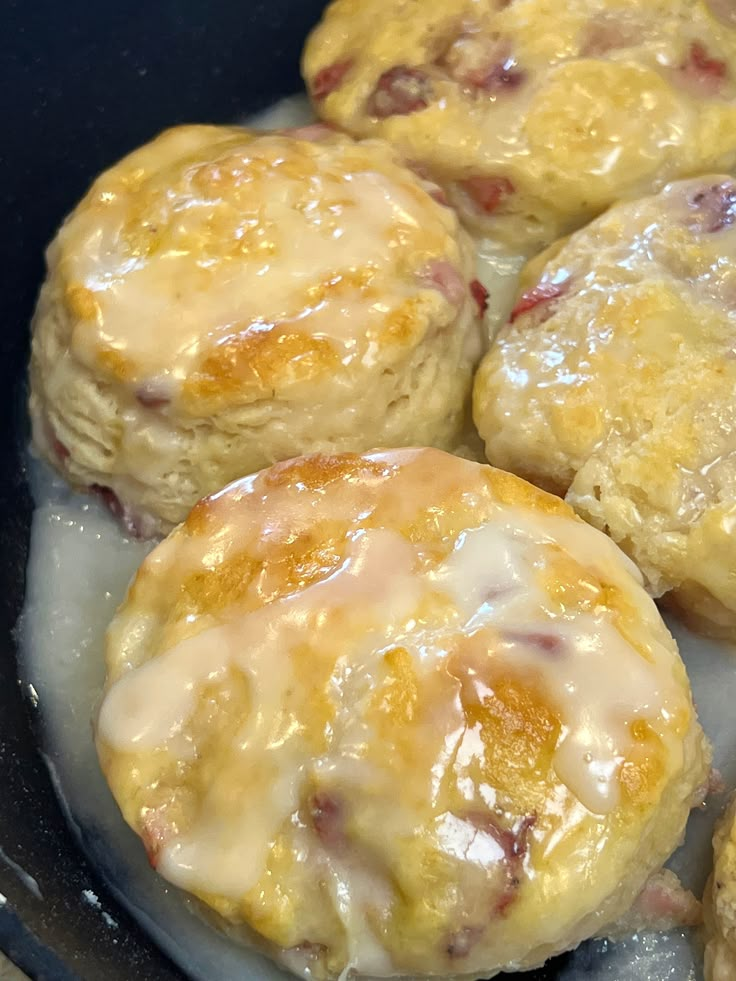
point(399, 713)
point(613, 385)
point(221, 300)
point(534, 115)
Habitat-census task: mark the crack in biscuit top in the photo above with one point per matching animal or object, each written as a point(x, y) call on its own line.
point(225, 262)
point(384, 604)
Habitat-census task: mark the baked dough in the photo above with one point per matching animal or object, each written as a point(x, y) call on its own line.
point(400, 713)
point(614, 384)
point(719, 902)
point(223, 299)
point(534, 114)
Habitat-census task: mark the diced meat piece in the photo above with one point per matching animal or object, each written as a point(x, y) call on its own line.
point(703, 72)
point(440, 274)
point(713, 208)
point(62, 453)
point(488, 192)
point(328, 79)
point(137, 525)
point(462, 941)
point(154, 831)
point(59, 450)
point(109, 498)
point(542, 293)
point(483, 64)
point(480, 295)
point(504, 75)
point(663, 904)
point(713, 785)
point(514, 843)
point(547, 643)
point(400, 91)
point(327, 813)
point(312, 133)
point(153, 394)
point(704, 64)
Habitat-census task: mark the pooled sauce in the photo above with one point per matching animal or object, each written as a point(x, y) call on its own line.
point(79, 567)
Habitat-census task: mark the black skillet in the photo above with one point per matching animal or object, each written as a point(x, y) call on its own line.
point(80, 85)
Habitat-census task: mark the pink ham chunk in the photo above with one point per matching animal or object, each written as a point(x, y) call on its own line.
point(713, 208)
point(137, 525)
point(327, 813)
point(488, 192)
point(663, 904)
point(701, 72)
point(540, 294)
point(480, 295)
point(443, 276)
point(330, 78)
point(400, 91)
point(482, 64)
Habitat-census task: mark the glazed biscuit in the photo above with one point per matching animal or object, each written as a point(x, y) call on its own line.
point(719, 902)
point(222, 299)
point(399, 713)
point(613, 385)
point(534, 115)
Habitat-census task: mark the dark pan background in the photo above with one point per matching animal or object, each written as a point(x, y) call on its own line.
point(80, 85)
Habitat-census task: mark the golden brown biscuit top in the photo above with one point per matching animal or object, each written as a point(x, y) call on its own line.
point(422, 674)
point(627, 327)
point(228, 265)
point(558, 107)
point(620, 354)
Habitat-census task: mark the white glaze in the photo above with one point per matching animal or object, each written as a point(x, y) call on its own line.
point(598, 683)
point(192, 242)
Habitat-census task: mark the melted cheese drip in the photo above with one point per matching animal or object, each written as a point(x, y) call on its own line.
point(205, 237)
point(599, 683)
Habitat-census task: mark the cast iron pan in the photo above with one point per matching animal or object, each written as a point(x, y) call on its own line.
point(80, 85)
